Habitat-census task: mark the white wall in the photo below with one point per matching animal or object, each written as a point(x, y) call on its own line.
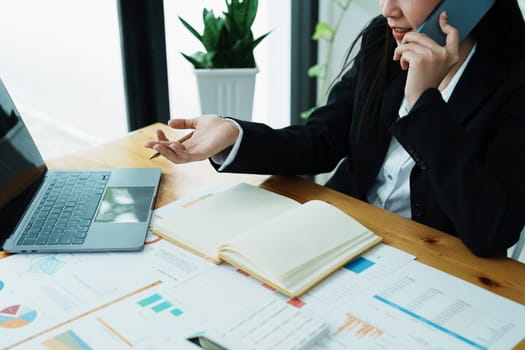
point(272, 87)
point(359, 13)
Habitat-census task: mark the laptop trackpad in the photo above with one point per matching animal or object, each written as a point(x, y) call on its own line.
point(125, 204)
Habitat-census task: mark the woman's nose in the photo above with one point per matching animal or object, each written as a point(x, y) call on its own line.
point(390, 8)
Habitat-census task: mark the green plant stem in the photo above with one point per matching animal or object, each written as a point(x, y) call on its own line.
point(329, 52)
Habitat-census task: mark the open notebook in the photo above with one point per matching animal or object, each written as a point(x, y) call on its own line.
point(288, 245)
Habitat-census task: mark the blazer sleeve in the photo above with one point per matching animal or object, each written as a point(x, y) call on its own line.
point(315, 147)
point(474, 167)
point(298, 149)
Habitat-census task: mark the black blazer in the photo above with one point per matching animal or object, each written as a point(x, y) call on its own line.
point(469, 178)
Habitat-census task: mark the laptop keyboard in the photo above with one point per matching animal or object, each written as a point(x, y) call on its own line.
point(66, 210)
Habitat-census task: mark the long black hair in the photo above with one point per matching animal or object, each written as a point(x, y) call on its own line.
point(503, 27)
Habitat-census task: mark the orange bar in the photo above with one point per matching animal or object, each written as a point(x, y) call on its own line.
point(350, 323)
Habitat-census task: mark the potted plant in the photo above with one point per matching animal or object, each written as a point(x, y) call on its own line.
point(226, 70)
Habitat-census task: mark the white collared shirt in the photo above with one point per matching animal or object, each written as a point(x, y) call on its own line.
point(391, 190)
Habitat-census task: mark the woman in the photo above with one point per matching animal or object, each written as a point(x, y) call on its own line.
point(434, 133)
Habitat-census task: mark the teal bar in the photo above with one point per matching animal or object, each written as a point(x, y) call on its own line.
point(149, 300)
point(162, 306)
point(74, 339)
point(176, 312)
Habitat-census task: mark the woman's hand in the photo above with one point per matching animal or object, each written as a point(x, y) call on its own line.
point(211, 135)
point(427, 62)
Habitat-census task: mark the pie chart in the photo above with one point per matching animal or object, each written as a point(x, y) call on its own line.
point(16, 316)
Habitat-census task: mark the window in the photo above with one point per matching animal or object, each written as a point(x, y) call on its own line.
point(61, 62)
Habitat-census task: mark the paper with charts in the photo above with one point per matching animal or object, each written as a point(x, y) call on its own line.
point(419, 307)
point(161, 297)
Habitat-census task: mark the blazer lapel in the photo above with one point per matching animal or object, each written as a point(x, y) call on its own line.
point(389, 111)
point(479, 80)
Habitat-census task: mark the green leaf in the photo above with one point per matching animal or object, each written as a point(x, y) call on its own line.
point(323, 31)
point(191, 29)
point(228, 39)
point(317, 70)
point(258, 40)
point(200, 59)
point(306, 114)
point(213, 27)
point(241, 14)
point(239, 55)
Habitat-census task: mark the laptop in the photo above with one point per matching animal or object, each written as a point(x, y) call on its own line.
point(53, 211)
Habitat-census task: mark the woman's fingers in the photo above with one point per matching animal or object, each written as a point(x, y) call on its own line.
point(452, 33)
point(176, 151)
point(410, 47)
point(210, 135)
point(171, 150)
point(161, 137)
point(182, 123)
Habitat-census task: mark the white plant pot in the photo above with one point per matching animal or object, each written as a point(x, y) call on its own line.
point(227, 92)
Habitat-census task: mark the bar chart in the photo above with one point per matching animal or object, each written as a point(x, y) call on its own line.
point(158, 304)
point(359, 328)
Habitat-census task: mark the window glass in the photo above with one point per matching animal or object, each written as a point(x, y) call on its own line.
point(61, 63)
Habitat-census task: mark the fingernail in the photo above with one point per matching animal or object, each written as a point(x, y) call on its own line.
point(445, 15)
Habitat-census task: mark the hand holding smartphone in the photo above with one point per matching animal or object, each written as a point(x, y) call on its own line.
point(462, 15)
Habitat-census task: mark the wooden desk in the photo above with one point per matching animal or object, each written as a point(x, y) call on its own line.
point(502, 276)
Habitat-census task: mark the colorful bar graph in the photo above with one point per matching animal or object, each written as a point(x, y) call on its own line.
point(358, 327)
point(359, 264)
point(430, 323)
point(176, 312)
point(162, 306)
point(150, 300)
point(158, 304)
point(298, 303)
point(66, 341)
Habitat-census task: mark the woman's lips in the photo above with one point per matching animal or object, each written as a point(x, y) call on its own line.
point(399, 33)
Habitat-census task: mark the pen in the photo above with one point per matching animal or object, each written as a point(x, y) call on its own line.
point(182, 139)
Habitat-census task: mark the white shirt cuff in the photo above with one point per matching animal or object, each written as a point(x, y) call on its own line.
point(405, 108)
point(227, 156)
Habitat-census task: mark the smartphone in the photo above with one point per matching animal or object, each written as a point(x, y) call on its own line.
point(462, 14)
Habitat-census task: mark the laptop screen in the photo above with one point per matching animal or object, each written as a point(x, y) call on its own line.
point(21, 165)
